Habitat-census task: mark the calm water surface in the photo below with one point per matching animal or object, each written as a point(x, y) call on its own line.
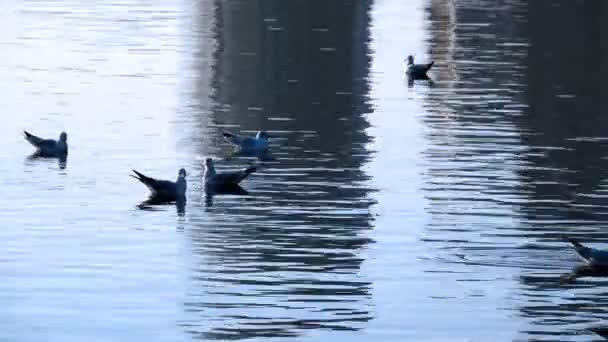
point(388, 211)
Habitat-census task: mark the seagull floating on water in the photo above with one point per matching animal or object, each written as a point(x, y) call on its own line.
point(49, 147)
point(595, 262)
point(590, 256)
point(417, 71)
point(164, 190)
point(216, 180)
point(257, 143)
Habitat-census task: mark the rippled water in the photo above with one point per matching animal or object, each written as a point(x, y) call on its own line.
point(388, 212)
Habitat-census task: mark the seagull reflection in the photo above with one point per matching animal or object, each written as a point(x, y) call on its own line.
point(584, 270)
point(62, 161)
point(411, 79)
point(232, 189)
point(263, 156)
point(152, 203)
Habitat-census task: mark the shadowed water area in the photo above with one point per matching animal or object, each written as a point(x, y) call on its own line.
point(385, 210)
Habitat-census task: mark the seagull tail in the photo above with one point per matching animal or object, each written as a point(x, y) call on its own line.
point(141, 177)
point(233, 138)
point(244, 173)
point(430, 65)
point(32, 139)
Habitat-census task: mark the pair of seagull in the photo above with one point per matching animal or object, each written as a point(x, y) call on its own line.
point(214, 181)
point(170, 191)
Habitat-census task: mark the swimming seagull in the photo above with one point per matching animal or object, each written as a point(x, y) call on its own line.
point(417, 71)
point(49, 147)
point(214, 180)
point(590, 256)
point(164, 190)
point(595, 263)
point(257, 143)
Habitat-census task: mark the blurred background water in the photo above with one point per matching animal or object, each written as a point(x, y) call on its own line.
point(390, 212)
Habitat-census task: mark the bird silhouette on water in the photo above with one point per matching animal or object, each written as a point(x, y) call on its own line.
point(417, 71)
point(218, 181)
point(48, 148)
point(164, 191)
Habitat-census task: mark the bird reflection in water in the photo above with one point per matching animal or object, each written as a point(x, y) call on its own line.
point(411, 80)
point(231, 189)
point(584, 270)
point(62, 161)
point(153, 202)
point(263, 155)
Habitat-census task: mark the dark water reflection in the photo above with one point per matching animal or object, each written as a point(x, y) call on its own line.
point(62, 162)
point(284, 257)
point(156, 203)
point(517, 150)
point(385, 211)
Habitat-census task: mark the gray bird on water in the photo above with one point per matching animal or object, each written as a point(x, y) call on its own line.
point(590, 256)
point(595, 262)
point(258, 143)
point(49, 147)
point(215, 180)
point(417, 71)
point(163, 189)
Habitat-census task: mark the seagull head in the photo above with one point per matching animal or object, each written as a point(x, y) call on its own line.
point(262, 135)
point(182, 173)
point(63, 137)
point(410, 59)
